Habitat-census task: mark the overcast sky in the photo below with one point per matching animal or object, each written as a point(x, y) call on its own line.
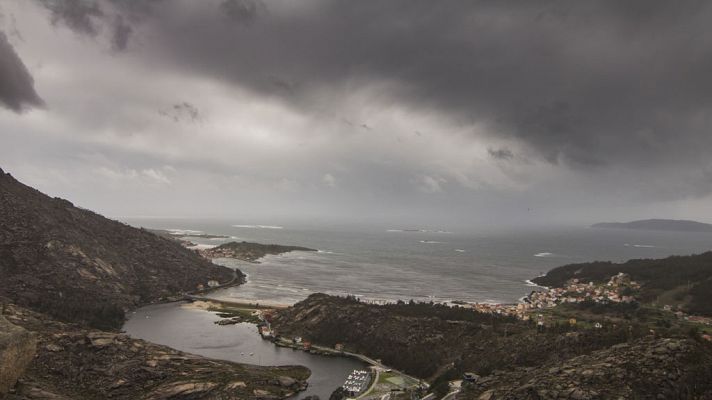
point(423, 112)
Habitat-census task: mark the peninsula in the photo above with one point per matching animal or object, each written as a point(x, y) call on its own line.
point(247, 251)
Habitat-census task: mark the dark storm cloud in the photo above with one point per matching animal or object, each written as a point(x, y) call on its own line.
point(589, 85)
point(500, 154)
point(82, 16)
point(244, 11)
point(585, 83)
point(120, 33)
point(182, 112)
point(17, 91)
point(90, 17)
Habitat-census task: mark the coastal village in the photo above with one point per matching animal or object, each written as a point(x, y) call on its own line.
point(619, 289)
point(378, 381)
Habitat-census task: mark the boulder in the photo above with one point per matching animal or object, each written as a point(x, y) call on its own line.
point(17, 350)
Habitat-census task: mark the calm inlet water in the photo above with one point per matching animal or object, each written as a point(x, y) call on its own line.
point(193, 331)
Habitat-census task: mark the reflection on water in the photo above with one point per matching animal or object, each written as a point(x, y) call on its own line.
point(193, 331)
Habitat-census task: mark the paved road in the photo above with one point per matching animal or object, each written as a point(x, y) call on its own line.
point(373, 386)
point(367, 360)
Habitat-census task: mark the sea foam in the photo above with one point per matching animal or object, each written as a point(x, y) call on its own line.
point(259, 226)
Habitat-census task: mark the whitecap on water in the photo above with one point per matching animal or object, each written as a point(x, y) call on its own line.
point(259, 226)
point(184, 232)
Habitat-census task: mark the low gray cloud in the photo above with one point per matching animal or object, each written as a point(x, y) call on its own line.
point(501, 153)
point(243, 11)
point(82, 16)
point(17, 88)
point(402, 99)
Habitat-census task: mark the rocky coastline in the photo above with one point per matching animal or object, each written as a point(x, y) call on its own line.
point(248, 251)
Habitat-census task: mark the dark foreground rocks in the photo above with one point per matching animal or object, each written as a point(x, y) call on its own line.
point(644, 369)
point(17, 350)
point(77, 363)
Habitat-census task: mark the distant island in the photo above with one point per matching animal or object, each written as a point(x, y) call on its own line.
point(248, 251)
point(678, 225)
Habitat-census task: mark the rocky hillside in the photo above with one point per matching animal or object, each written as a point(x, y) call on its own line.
point(248, 251)
point(643, 369)
point(78, 266)
point(678, 280)
point(417, 338)
point(440, 343)
point(75, 363)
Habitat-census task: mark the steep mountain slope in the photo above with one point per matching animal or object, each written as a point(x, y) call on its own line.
point(78, 266)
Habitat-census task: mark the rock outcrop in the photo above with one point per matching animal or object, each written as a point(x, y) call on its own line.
point(78, 266)
point(671, 368)
point(73, 362)
point(17, 349)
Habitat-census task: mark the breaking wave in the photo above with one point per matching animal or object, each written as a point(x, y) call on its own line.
point(418, 230)
point(184, 232)
point(259, 226)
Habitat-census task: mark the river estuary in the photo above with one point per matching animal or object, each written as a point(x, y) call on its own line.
point(194, 331)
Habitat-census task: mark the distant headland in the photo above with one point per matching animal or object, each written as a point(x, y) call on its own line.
point(678, 225)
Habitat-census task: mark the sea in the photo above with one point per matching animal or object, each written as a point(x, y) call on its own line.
point(377, 264)
point(388, 263)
